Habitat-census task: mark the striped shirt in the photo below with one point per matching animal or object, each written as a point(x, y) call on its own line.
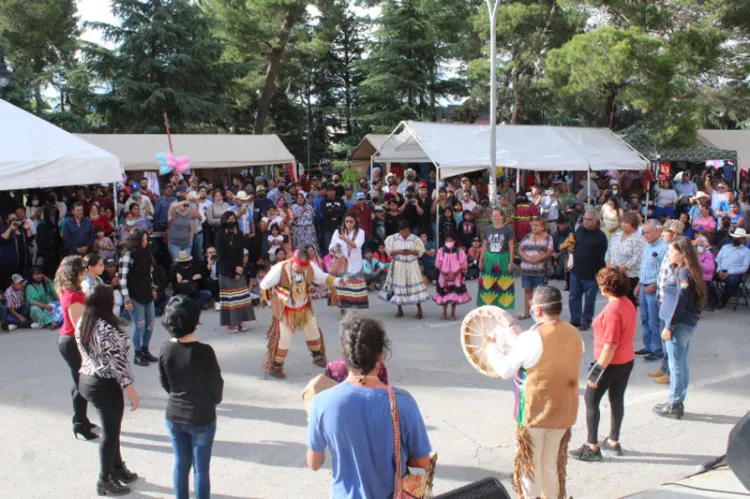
point(651, 258)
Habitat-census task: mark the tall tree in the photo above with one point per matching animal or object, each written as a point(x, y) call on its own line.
point(40, 34)
point(166, 60)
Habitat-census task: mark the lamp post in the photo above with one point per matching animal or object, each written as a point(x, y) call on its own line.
point(494, 7)
point(5, 73)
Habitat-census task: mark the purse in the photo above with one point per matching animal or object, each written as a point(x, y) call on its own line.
point(409, 486)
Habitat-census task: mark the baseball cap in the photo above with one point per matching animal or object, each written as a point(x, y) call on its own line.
point(379, 208)
point(260, 188)
point(423, 185)
point(349, 187)
point(181, 188)
point(17, 279)
point(674, 226)
point(109, 261)
point(359, 195)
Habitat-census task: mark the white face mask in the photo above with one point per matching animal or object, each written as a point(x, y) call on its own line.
point(700, 249)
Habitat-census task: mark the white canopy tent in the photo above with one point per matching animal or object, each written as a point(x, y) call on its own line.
point(138, 152)
point(459, 149)
point(37, 154)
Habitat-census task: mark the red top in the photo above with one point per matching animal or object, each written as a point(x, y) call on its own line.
point(616, 326)
point(104, 224)
point(67, 299)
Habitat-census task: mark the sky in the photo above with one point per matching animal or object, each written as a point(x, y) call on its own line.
point(94, 11)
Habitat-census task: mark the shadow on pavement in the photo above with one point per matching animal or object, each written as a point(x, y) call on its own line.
point(663, 458)
point(711, 418)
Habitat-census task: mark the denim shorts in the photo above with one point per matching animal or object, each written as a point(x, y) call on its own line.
point(532, 281)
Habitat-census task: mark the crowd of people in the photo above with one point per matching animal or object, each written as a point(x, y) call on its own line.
point(88, 266)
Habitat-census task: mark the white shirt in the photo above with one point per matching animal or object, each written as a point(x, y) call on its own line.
point(664, 197)
point(550, 203)
point(353, 255)
point(525, 352)
point(273, 277)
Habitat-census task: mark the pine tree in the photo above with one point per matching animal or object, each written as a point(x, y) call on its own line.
point(166, 61)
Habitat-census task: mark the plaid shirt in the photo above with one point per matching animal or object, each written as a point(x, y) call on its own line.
point(126, 264)
point(665, 270)
point(14, 299)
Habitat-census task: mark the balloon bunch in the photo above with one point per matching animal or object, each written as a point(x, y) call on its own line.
point(169, 163)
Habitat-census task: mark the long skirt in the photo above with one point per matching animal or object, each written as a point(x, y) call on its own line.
point(451, 292)
point(496, 285)
point(404, 284)
point(353, 291)
point(236, 305)
point(304, 236)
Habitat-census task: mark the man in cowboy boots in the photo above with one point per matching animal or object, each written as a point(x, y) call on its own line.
point(287, 288)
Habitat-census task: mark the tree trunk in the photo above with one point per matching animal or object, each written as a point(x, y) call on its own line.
point(39, 99)
point(611, 107)
point(272, 71)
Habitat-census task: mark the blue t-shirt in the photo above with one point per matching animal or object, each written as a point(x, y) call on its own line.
point(355, 423)
point(428, 262)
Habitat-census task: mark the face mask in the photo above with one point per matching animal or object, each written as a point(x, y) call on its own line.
point(538, 320)
point(700, 249)
point(35, 202)
point(449, 245)
point(229, 225)
point(261, 195)
point(130, 223)
point(615, 191)
point(136, 195)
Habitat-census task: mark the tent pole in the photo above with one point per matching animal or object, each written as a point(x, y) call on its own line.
point(437, 211)
point(114, 198)
point(371, 165)
point(518, 180)
point(494, 7)
point(588, 187)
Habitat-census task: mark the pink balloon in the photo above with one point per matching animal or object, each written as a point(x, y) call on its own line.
point(183, 164)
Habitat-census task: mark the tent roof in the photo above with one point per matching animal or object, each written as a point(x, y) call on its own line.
point(36, 154)
point(736, 140)
point(639, 136)
point(368, 145)
point(138, 152)
point(458, 149)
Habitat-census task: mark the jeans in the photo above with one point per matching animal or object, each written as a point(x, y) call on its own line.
point(106, 395)
point(69, 351)
point(650, 321)
point(192, 446)
point(678, 349)
point(197, 249)
point(665, 359)
point(24, 310)
point(174, 250)
point(581, 289)
point(143, 320)
point(202, 297)
point(667, 212)
point(730, 287)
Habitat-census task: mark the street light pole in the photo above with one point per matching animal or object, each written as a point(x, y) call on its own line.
point(494, 7)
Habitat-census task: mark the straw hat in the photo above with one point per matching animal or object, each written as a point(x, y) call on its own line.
point(183, 257)
point(242, 196)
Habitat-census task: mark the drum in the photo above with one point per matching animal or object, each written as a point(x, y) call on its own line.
point(487, 322)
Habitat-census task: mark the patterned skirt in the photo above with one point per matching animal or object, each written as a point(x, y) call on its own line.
point(353, 291)
point(451, 293)
point(496, 285)
point(236, 305)
point(404, 284)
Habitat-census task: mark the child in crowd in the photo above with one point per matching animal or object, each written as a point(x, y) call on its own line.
point(280, 255)
point(473, 259)
point(103, 245)
point(447, 224)
point(275, 242)
point(17, 311)
point(451, 289)
point(467, 231)
point(251, 273)
point(428, 259)
point(374, 271)
point(383, 257)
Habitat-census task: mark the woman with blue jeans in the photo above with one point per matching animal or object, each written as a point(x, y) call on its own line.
point(684, 295)
point(138, 294)
point(190, 374)
point(535, 250)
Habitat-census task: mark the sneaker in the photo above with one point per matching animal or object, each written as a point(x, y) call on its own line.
point(642, 352)
point(656, 374)
point(253, 296)
point(612, 449)
point(673, 411)
point(662, 380)
point(12, 327)
point(652, 357)
point(585, 453)
point(36, 325)
point(217, 307)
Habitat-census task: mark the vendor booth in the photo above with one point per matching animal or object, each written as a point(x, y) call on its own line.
point(37, 154)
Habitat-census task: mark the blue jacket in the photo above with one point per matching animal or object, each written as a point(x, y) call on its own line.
point(161, 213)
point(76, 236)
point(680, 305)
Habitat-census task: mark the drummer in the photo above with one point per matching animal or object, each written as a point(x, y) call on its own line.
point(544, 363)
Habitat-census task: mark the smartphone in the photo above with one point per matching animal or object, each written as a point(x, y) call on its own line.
point(595, 374)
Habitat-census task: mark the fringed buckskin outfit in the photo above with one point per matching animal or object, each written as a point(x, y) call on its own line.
point(546, 362)
point(290, 296)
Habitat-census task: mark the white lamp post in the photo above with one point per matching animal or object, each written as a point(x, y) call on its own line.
point(494, 7)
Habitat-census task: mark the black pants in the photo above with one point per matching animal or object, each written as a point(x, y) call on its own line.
point(106, 395)
point(615, 381)
point(69, 351)
point(631, 294)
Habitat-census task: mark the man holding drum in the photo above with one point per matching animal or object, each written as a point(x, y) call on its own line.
point(544, 363)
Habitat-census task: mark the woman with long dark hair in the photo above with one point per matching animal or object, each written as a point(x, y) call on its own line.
point(105, 375)
point(685, 292)
point(234, 296)
point(353, 419)
point(68, 287)
point(190, 374)
point(347, 243)
point(137, 286)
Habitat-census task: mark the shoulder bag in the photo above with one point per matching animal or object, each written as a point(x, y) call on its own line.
point(409, 486)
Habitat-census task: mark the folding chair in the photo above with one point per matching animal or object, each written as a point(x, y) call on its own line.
point(743, 290)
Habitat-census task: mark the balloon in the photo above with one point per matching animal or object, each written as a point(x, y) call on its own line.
point(165, 170)
point(182, 164)
point(161, 159)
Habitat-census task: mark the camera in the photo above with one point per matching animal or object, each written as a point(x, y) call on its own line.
point(17, 224)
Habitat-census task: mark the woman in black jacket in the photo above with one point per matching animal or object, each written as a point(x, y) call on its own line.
point(190, 374)
point(138, 294)
point(234, 295)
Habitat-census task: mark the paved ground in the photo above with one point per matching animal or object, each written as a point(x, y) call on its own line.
point(260, 445)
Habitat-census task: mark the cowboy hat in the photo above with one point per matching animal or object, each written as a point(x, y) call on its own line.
point(184, 256)
point(739, 233)
point(242, 196)
point(700, 195)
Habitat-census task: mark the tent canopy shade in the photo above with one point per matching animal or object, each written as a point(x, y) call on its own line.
point(734, 140)
point(640, 137)
point(367, 146)
point(458, 149)
point(138, 152)
point(37, 154)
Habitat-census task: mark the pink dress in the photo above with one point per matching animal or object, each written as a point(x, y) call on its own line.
point(451, 288)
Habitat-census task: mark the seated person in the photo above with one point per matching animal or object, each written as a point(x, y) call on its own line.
point(185, 279)
point(374, 271)
point(732, 263)
point(161, 281)
point(210, 277)
point(41, 296)
point(17, 310)
point(428, 259)
point(382, 256)
point(721, 236)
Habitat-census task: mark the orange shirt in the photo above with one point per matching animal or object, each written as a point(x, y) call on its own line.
point(615, 325)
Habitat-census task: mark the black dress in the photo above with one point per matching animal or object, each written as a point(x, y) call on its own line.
point(234, 295)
